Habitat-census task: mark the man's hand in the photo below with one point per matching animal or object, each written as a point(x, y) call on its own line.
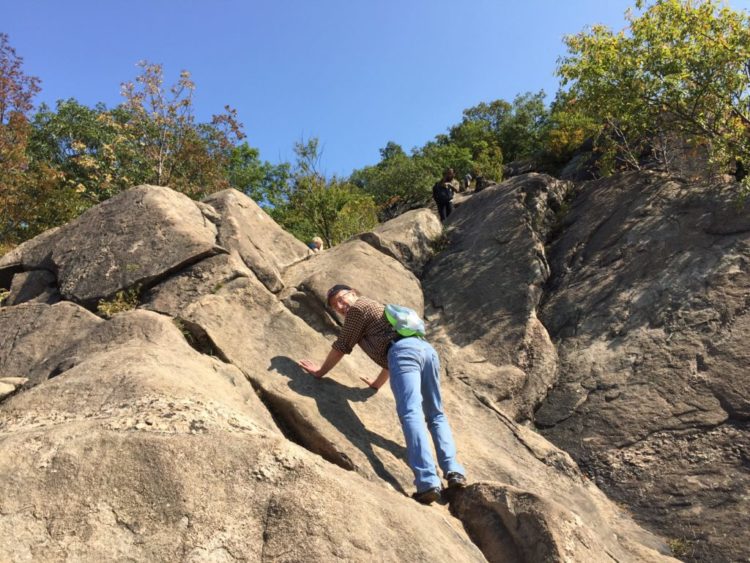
point(319, 371)
point(370, 383)
point(310, 367)
point(378, 382)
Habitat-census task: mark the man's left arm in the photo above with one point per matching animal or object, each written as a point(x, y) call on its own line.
point(334, 356)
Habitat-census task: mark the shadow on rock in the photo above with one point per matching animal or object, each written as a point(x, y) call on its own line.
point(334, 404)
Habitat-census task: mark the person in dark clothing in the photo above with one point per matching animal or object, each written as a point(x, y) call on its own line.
point(442, 193)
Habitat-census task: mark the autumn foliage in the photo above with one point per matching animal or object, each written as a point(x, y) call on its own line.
point(58, 162)
point(679, 70)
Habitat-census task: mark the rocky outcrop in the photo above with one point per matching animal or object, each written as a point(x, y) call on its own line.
point(39, 286)
point(409, 238)
point(510, 524)
point(147, 450)
point(173, 295)
point(134, 238)
point(38, 338)
point(249, 232)
point(185, 430)
point(648, 305)
point(485, 287)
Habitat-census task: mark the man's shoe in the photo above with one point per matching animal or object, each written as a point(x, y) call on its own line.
point(429, 496)
point(455, 480)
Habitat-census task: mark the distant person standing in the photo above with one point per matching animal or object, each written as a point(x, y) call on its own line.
point(467, 181)
point(442, 193)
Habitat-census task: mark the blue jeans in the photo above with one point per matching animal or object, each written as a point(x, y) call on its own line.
point(415, 381)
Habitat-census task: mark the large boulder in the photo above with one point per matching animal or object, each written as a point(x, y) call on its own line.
point(36, 286)
point(409, 238)
point(485, 287)
point(12, 262)
point(126, 370)
point(648, 306)
point(245, 229)
point(39, 338)
point(512, 524)
point(153, 496)
point(499, 454)
point(132, 239)
point(173, 295)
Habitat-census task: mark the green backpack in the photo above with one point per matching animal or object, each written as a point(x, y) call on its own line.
point(405, 321)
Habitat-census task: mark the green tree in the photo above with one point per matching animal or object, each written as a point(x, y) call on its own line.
point(89, 148)
point(565, 131)
point(521, 132)
point(488, 163)
point(516, 128)
point(332, 208)
point(391, 150)
point(266, 183)
point(397, 179)
point(474, 135)
point(438, 157)
point(681, 66)
point(408, 180)
point(178, 152)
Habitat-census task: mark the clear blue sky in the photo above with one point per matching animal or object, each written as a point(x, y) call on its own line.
point(355, 73)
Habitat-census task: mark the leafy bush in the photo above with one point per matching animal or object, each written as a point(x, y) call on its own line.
point(332, 209)
point(398, 177)
point(681, 67)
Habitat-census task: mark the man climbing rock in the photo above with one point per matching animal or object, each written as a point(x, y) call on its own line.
point(442, 193)
point(413, 368)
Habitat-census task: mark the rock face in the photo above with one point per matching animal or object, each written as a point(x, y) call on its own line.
point(648, 306)
point(132, 239)
point(39, 337)
point(37, 285)
point(485, 288)
point(185, 430)
point(147, 450)
point(529, 527)
point(247, 230)
point(408, 238)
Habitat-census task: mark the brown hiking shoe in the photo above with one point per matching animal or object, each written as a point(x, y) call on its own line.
point(429, 496)
point(455, 480)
